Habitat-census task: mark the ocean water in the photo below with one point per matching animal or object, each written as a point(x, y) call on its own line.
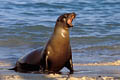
point(26, 25)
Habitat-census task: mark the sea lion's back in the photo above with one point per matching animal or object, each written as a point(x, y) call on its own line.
point(31, 58)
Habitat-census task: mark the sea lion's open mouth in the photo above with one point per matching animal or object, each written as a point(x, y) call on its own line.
point(70, 19)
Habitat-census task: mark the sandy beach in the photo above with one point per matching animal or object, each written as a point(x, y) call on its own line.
point(91, 71)
point(26, 25)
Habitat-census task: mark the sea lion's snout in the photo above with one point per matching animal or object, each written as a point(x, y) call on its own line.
point(71, 16)
point(67, 19)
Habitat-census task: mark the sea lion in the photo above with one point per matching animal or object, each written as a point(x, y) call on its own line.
point(55, 55)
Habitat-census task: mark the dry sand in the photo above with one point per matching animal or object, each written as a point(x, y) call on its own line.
point(95, 73)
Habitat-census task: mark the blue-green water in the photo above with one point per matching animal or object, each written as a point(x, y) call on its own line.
point(27, 24)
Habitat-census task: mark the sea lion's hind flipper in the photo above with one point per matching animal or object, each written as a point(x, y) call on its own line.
point(69, 65)
point(13, 68)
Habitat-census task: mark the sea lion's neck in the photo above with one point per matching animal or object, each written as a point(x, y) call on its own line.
point(61, 30)
point(60, 38)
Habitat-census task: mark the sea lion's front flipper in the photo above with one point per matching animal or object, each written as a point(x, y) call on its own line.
point(46, 63)
point(69, 65)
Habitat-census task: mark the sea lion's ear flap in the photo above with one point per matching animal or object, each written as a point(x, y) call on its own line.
point(61, 18)
point(64, 19)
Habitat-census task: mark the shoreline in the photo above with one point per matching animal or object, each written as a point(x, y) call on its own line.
point(114, 63)
point(90, 71)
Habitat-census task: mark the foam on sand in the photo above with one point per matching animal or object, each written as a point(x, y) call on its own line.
point(115, 63)
point(3, 64)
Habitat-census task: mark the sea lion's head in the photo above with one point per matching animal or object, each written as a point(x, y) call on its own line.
point(67, 19)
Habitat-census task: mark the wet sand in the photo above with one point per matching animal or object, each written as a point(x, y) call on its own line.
point(91, 71)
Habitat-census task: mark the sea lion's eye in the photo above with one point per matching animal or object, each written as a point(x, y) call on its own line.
point(65, 16)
